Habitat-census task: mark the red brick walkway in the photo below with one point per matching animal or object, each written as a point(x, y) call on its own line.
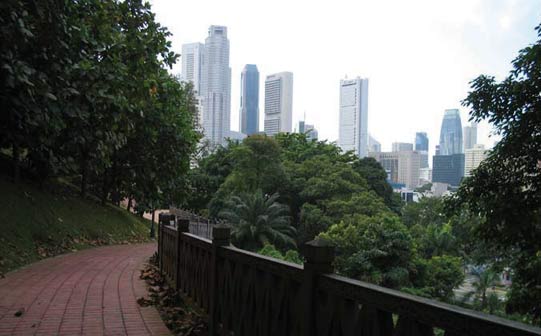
point(91, 292)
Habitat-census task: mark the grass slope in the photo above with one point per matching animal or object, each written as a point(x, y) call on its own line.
point(36, 223)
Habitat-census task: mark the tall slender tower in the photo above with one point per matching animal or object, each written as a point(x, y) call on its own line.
point(278, 103)
point(470, 136)
point(451, 133)
point(421, 145)
point(216, 86)
point(353, 125)
point(249, 99)
point(192, 64)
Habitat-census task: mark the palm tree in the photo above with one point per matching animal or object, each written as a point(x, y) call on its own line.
point(257, 220)
point(486, 279)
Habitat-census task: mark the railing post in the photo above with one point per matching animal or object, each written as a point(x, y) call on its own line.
point(319, 256)
point(183, 225)
point(221, 237)
point(160, 241)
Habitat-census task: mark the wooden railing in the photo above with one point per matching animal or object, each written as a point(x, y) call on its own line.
point(199, 226)
point(248, 294)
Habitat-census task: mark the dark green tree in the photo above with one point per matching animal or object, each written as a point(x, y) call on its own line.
point(506, 188)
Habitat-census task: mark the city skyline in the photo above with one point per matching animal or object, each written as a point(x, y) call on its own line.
point(441, 48)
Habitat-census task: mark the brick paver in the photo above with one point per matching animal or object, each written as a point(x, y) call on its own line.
point(91, 292)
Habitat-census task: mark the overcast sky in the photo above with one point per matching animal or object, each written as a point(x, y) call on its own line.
point(418, 55)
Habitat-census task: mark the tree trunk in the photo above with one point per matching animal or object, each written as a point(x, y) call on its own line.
point(104, 189)
point(16, 165)
point(129, 204)
point(84, 175)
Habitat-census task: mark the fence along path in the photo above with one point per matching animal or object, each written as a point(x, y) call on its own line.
point(248, 294)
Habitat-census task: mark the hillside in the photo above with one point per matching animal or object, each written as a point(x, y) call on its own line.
point(38, 223)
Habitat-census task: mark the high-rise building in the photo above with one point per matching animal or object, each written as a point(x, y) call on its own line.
point(401, 167)
point(373, 145)
point(448, 168)
point(421, 145)
point(353, 124)
point(473, 157)
point(278, 103)
point(402, 146)
point(310, 130)
point(448, 163)
point(470, 136)
point(451, 133)
point(192, 64)
point(249, 99)
point(216, 86)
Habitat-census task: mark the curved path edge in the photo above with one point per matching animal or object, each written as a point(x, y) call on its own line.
point(90, 292)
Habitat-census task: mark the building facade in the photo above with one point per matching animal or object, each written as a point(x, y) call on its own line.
point(401, 167)
point(249, 100)
point(448, 169)
point(193, 55)
point(310, 130)
point(451, 133)
point(353, 117)
point(216, 87)
point(473, 157)
point(374, 145)
point(402, 146)
point(470, 136)
point(278, 103)
point(421, 146)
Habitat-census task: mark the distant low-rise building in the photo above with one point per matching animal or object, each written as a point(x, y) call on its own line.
point(310, 130)
point(373, 144)
point(425, 174)
point(402, 146)
point(234, 135)
point(402, 167)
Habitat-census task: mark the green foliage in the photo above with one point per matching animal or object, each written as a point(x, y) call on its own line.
point(291, 256)
point(87, 96)
point(505, 188)
point(377, 249)
point(376, 177)
point(258, 220)
point(429, 210)
point(438, 276)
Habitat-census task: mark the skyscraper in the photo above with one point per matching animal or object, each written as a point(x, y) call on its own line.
point(249, 99)
point(470, 136)
point(421, 145)
point(192, 64)
point(448, 163)
point(278, 103)
point(353, 125)
point(473, 158)
point(216, 86)
point(451, 133)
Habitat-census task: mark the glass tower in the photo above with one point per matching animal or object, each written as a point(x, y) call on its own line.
point(451, 133)
point(249, 99)
point(421, 145)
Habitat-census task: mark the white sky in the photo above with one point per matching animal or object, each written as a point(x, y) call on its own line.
point(418, 55)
